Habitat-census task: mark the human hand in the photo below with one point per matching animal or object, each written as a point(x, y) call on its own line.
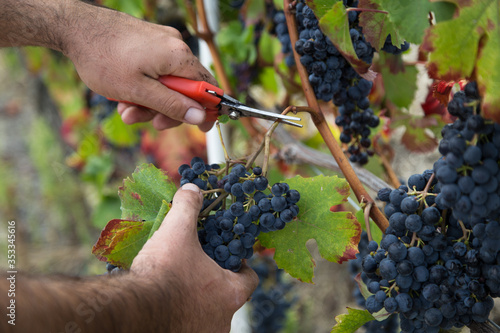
point(210, 294)
point(121, 57)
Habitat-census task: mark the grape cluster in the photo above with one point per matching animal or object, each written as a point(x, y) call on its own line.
point(100, 105)
point(388, 325)
point(468, 172)
point(271, 299)
point(281, 31)
point(333, 78)
point(228, 235)
point(389, 48)
point(429, 267)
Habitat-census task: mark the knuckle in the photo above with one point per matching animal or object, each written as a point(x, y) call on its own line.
point(171, 107)
point(172, 32)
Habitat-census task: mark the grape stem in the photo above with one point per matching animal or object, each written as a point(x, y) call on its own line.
point(414, 239)
point(323, 128)
point(393, 178)
point(226, 155)
point(464, 231)
point(207, 210)
point(212, 191)
point(354, 9)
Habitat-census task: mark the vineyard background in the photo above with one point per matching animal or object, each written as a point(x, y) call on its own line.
point(62, 192)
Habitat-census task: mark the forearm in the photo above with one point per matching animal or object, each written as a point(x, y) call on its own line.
point(48, 23)
point(114, 303)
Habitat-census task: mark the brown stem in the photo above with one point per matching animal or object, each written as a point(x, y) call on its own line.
point(428, 185)
point(267, 144)
point(217, 190)
point(354, 9)
point(414, 238)
point(208, 37)
point(207, 210)
point(322, 126)
point(393, 178)
point(226, 155)
point(482, 328)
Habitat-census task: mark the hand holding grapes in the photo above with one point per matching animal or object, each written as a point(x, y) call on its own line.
point(209, 290)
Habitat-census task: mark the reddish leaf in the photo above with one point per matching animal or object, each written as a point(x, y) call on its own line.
point(441, 90)
point(417, 140)
point(121, 240)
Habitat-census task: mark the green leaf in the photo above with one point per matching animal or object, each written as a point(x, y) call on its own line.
point(107, 208)
point(376, 26)
point(121, 240)
point(400, 87)
point(267, 77)
point(278, 4)
point(165, 207)
point(223, 118)
point(397, 22)
point(98, 169)
point(256, 9)
point(336, 234)
point(334, 23)
point(468, 44)
point(350, 322)
point(268, 47)
point(118, 133)
point(236, 43)
point(142, 195)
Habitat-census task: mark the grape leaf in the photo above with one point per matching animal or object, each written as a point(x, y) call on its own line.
point(400, 87)
point(416, 139)
point(397, 22)
point(334, 24)
point(121, 240)
point(469, 46)
point(350, 322)
point(142, 195)
point(336, 234)
point(119, 133)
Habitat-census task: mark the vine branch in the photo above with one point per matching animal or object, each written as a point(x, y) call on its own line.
point(323, 128)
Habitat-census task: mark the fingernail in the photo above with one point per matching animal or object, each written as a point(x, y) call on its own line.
point(191, 187)
point(194, 116)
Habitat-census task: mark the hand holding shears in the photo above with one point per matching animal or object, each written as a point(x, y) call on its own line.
point(217, 103)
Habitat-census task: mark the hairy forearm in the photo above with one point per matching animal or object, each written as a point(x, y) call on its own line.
point(49, 23)
point(114, 303)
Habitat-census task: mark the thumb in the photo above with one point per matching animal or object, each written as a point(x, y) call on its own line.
point(179, 226)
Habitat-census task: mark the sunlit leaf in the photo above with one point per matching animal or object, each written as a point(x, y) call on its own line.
point(336, 234)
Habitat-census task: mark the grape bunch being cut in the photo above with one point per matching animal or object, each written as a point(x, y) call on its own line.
point(237, 207)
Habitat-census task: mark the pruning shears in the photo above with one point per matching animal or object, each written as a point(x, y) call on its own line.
point(217, 103)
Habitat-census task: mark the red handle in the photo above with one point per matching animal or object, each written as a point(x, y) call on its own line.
point(196, 90)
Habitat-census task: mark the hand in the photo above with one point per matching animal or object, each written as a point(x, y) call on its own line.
point(213, 293)
point(121, 57)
